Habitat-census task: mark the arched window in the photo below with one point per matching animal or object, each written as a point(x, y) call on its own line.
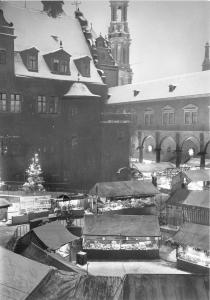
point(119, 14)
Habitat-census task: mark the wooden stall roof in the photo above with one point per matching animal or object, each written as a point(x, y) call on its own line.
point(153, 167)
point(198, 198)
point(125, 225)
point(54, 235)
point(19, 276)
point(194, 235)
point(198, 175)
point(124, 189)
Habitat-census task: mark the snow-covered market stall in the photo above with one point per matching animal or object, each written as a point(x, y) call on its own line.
point(124, 197)
point(53, 237)
point(193, 253)
point(121, 237)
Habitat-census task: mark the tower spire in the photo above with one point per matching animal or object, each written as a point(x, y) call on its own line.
point(206, 61)
point(119, 38)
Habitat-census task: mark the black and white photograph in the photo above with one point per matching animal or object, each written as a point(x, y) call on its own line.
point(104, 150)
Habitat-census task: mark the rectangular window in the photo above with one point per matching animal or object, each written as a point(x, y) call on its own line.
point(53, 105)
point(171, 118)
point(194, 117)
point(3, 102)
point(41, 104)
point(55, 65)
point(187, 117)
point(15, 103)
point(165, 118)
point(64, 67)
point(146, 119)
point(32, 62)
point(2, 57)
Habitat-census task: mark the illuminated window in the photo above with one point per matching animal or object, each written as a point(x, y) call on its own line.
point(3, 102)
point(15, 103)
point(53, 105)
point(191, 152)
point(149, 148)
point(41, 104)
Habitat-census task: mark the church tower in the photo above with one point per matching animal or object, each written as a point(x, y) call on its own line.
point(119, 39)
point(206, 61)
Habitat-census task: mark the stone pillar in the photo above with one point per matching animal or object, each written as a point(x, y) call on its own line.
point(141, 153)
point(178, 157)
point(202, 160)
point(157, 150)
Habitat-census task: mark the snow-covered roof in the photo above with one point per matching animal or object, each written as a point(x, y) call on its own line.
point(79, 89)
point(194, 84)
point(35, 28)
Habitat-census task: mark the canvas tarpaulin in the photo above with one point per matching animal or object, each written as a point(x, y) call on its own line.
point(125, 225)
point(194, 235)
point(123, 189)
point(19, 275)
point(54, 235)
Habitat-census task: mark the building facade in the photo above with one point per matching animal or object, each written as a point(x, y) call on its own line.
point(170, 117)
point(51, 98)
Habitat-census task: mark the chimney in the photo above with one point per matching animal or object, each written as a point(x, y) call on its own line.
point(206, 61)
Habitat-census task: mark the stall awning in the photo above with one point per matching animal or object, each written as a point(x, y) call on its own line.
point(198, 199)
point(198, 175)
point(125, 225)
point(124, 189)
point(194, 235)
point(54, 235)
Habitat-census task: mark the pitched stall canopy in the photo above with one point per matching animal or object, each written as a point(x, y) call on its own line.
point(4, 203)
point(194, 235)
point(121, 225)
point(54, 235)
point(20, 275)
point(123, 189)
point(153, 167)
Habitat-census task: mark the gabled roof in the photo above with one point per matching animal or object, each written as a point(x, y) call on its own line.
point(124, 189)
point(35, 28)
point(195, 84)
point(121, 225)
point(198, 175)
point(54, 235)
point(198, 199)
point(79, 89)
point(194, 235)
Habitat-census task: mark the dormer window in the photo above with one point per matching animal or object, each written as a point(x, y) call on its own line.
point(30, 59)
point(2, 57)
point(55, 65)
point(58, 62)
point(32, 62)
point(83, 65)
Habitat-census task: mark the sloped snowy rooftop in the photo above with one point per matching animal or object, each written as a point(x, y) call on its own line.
point(34, 28)
point(193, 84)
point(79, 89)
